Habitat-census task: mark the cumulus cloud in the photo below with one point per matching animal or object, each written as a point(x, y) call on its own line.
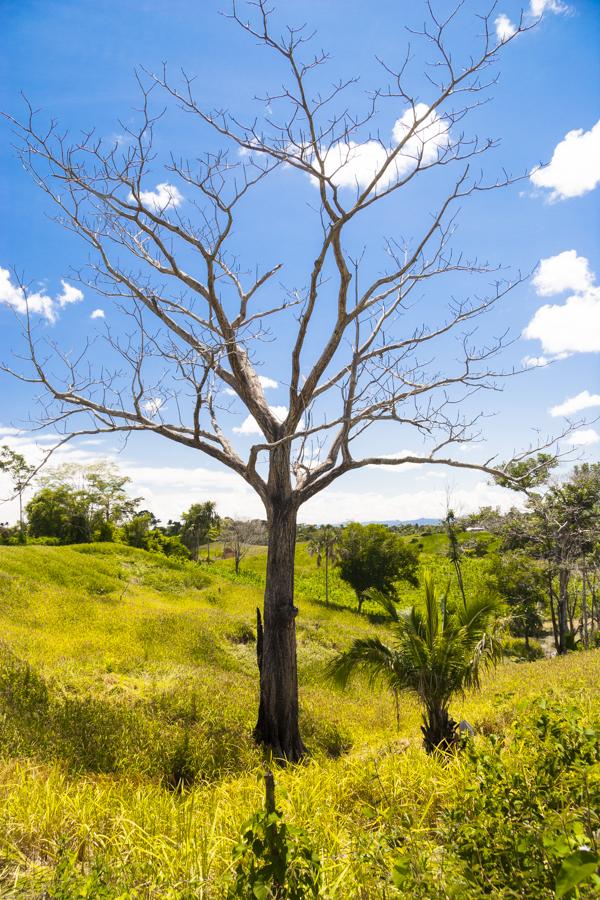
point(535, 362)
point(351, 164)
point(584, 400)
point(38, 302)
point(564, 272)
point(574, 169)
point(585, 437)
point(340, 506)
point(573, 326)
point(97, 314)
point(69, 294)
point(504, 28)
point(162, 197)
point(250, 425)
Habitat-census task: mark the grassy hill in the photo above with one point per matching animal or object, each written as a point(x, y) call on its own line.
point(123, 673)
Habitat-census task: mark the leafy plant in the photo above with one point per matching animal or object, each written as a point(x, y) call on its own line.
point(274, 859)
point(440, 651)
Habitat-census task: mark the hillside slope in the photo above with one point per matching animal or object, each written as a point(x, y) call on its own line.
point(123, 674)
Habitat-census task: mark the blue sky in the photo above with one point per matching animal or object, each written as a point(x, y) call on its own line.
point(75, 62)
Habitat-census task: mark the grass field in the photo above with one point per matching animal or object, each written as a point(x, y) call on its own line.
point(123, 674)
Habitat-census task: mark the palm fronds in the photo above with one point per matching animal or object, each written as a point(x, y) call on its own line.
point(440, 651)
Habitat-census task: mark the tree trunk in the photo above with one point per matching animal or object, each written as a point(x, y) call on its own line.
point(563, 597)
point(553, 613)
point(277, 726)
point(439, 729)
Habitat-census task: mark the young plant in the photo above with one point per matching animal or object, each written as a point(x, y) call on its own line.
point(440, 651)
point(273, 859)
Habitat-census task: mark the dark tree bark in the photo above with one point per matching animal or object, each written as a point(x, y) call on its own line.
point(277, 726)
point(439, 729)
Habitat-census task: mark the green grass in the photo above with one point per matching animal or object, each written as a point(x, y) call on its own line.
point(121, 671)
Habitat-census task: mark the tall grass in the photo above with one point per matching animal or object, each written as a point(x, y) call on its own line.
point(120, 670)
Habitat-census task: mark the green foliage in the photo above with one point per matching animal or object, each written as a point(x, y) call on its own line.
point(200, 525)
point(528, 473)
point(119, 675)
point(372, 556)
point(136, 532)
point(517, 580)
point(274, 860)
point(520, 817)
point(71, 882)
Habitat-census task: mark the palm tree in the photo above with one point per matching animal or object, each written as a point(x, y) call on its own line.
point(440, 651)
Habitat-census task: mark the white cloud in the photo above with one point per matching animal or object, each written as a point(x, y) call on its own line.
point(585, 437)
point(266, 383)
point(153, 405)
point(69, 294)
point(250, 425)
point(168, 491)
point(350, 163)
point(97, 314)
point(537, 8)
point(339, 506)
point(36, 302)
point(584, 400)
point(574, 169)
point(564, 272)
point(164, 196)
point(532, 362)
point(504, 28)
point(571, 327)
point(16, 298)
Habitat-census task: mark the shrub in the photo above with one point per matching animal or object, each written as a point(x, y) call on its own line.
point(522, 816)
point(273, 859)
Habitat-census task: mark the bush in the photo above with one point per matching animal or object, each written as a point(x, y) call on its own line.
point(521, 816)
point(274, 860)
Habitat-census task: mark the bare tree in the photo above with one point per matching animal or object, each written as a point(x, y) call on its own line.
point(240, 535)
point(200, 322)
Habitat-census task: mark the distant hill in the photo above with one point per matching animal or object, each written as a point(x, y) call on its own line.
point(394, 522)
point(391, 522)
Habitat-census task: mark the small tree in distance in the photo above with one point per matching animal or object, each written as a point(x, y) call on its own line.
point(240, 535)
point(518, 581)
point(361, 352)
point(324, 544)
point(372, 556)
point(20, 472)
point(200, 526)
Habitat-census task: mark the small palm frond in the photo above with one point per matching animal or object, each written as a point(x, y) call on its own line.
point(386, 601)
point(367, 655)
point(432, 612)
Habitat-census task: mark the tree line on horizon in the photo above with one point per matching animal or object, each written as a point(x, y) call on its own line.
point(546, 563)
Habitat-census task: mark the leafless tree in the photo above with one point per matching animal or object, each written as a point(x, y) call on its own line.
point(200, 322)
point(241, 534)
